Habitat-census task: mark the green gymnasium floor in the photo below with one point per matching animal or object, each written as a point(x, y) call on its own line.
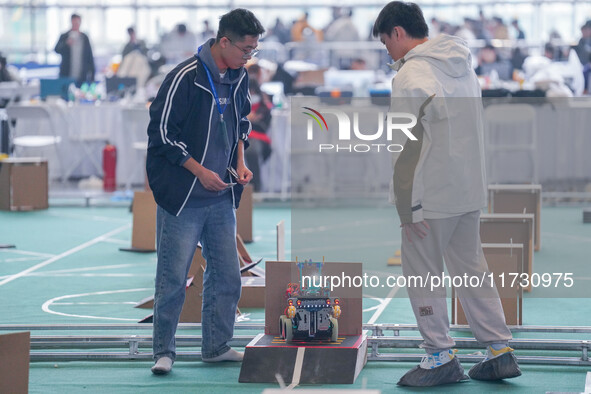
point(67, 269)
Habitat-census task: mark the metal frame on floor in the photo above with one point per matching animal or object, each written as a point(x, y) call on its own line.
point(71, 347)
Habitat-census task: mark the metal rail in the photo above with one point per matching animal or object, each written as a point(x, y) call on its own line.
point(376, 329)
point(127, 347)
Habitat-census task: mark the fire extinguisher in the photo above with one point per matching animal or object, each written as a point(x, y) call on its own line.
point(109, 168)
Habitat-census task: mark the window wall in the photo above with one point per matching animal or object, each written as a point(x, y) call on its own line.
point(29, 29)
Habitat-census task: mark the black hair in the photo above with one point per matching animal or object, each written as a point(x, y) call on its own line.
point(75, 16)
point(406, 15)
point(130, 30)
point(181, 28)
point(239, 23)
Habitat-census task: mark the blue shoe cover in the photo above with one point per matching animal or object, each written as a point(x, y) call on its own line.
point(501, 367)
point(450, 372)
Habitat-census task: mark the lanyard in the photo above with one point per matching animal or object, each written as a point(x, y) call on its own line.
point(214, 91)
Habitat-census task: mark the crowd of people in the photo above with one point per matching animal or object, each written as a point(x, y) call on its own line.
point(179, 43)
point(145, 62)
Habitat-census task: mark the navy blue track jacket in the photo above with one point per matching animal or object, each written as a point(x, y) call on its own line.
point(184, 123)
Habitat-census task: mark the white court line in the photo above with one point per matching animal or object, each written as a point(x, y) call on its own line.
point(80, 271)
point(90, 275)
point(383, 306)
point(21, 259)
point(65, 254)
point(93, 217)
point(16, 251)
point(297, 368)
point(48, 303)
point(95, 268)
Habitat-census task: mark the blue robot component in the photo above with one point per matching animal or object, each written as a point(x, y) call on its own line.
point(310, 314)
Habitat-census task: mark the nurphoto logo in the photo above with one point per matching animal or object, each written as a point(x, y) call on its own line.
point(395, 122)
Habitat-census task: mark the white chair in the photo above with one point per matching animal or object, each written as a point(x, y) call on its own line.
point(33, 127)
point(510, 128)
point(135, 122)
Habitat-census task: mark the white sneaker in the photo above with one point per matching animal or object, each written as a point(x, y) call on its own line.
point(162, 366)
point(435, 360)
point(230, 355)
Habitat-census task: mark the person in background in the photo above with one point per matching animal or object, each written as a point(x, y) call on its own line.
point(179, 44)
point(583, 48)
point(439, 189)
point(134, 61)
point(519, 34)
point(279, 32)
point(587, 75)
point(498, 29)
point(260, 143)
point(197, 135)
point(489, 61)
point(301, 28)
point(549, 51)
point(358, 64)
point(77, 59)
point(5, 75)
point(134, 44)
point(207, 32)
point(342, 28)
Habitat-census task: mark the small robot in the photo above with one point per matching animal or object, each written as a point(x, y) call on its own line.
point(310, 314)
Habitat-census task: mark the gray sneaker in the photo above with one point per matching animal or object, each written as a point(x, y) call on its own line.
point(162, 366)
point(230, 355)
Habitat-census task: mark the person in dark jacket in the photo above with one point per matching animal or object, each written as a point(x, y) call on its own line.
point(197, 133)
point(77, 59)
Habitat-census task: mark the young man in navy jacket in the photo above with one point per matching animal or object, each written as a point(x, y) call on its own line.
point(197, 135)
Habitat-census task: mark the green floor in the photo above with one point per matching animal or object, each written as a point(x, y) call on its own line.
point(67, 268)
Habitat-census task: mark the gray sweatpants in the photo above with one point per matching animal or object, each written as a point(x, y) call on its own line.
point(457, 240)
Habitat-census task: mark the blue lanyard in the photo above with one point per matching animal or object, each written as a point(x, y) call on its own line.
point(214, 91)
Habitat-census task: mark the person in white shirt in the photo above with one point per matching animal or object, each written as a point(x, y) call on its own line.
point(439, 188)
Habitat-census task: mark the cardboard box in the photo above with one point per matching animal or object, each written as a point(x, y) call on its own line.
point(253, 292)
point(504, 261)
point(244, 215)
point(14, 362)
point(310, 78)
point(191, 312)
point(23, 184)
point(143, 236)
point(518, 199)
point(511, 228)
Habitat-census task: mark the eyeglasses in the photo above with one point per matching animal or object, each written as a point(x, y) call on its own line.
point(247, 54)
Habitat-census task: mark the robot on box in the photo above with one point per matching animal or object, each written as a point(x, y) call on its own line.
point(310, 314)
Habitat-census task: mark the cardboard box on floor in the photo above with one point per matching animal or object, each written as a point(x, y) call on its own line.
point(507, 260)
point(143, 234)
point(511, 228)
point(518, 199)
point(253, 288)
point(23, 184)
point(253, 291)
point(244, 215)
point(14, 362)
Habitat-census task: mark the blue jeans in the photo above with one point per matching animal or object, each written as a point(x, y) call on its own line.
point(177, 238)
